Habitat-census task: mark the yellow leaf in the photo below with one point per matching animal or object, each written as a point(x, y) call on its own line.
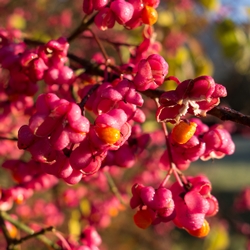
point(74, 224)
point(165, 18)
point(181, 56)
point(210, 4)
point(85, 207)
point(203, 66)
point(149, 126)
point(17, 21)
point(218, 238)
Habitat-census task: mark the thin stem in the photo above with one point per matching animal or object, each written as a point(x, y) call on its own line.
point(5, 231)
point(63, 240)
point(180, 178)
point(118, 50)
point(114, 188)
point(91, 68)
point(177, 176)
point(86, 97)
point(42, 231)
point(82, 27)
point(116, 44)
point(9, 139)
point(107, 59)
point(172, 78)
point(32, 42)
point(173, 168)
point(165, 180)
point(167, 142)
point(172, 165)
point(100, 45)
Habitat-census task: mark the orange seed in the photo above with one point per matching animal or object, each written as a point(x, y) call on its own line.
point(183, 131)
point(108, 134)
point(143, 219)
point(149, 15)
point(201, 232)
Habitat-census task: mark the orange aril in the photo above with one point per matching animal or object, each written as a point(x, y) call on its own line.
point(201, 232)
point(183, 131)
point(149, 15)
point(19, 199)
point(108, 134)
point(143, 218)
point(13, 232)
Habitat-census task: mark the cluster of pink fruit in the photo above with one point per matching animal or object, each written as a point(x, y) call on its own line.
point(185, 205)
point(62, 138)
point(130, 14)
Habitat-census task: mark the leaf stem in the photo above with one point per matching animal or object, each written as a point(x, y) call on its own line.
point(114, 188)
point(82, 27)
point(9, 139)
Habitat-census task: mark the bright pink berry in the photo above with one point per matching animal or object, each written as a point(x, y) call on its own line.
point(105, 19)
point(123, 10)
point(150, 73)
point(218, 143)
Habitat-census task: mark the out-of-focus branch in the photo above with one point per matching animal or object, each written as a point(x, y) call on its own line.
point(89, 67)
point(90, 92)
point(94, 69)
point(30, 236)
point(82, 27)
point(5, 216)
point(114, 188)
point(114, 43)
point(8, 138)
point(5, 231)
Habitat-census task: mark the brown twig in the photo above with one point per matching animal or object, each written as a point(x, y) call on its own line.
point(114, 43)
point(41, 232)
point(90, 92)
point(9, 139)
point(228, 114)
point(5, 232)
point(18, 224)
point(82, 27)
point(90, 68)
point(96, 38)
point(94, 69)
